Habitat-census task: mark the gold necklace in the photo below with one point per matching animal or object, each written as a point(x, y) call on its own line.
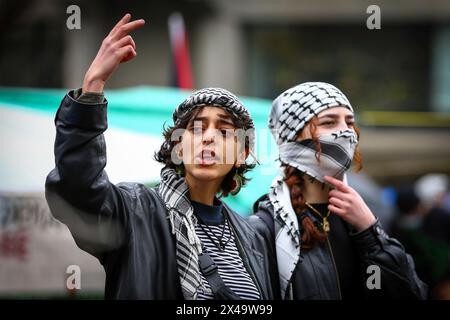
point(325, 222)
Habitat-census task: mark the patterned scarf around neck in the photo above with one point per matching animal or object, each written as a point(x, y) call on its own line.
point(175, 193)
point(287, 233)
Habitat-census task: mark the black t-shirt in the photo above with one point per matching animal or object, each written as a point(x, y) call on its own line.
point(346, 257)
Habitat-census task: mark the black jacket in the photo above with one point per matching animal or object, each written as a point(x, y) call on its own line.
point(316, 275)
point(126, 225)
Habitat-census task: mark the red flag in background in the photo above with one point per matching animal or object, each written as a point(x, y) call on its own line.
point(180, 52)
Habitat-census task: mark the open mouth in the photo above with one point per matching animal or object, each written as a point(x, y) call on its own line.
point(207, 158)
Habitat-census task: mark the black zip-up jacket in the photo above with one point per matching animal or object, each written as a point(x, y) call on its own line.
point(316, 276)
point(125, 226)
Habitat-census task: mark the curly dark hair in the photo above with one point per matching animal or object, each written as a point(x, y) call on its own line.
point(165, 152)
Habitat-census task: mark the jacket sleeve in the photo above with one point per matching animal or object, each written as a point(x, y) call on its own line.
point(383, 254)
point(78, 190)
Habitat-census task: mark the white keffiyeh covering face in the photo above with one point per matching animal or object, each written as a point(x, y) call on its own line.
point(336, 154)
point(290, 113)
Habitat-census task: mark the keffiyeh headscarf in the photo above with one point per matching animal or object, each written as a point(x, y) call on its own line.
point(290, 113)
point(175, 192)
point(292, 109)
point(216, 97)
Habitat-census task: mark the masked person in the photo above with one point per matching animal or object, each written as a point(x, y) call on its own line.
point(325, 242)
point(176, 241)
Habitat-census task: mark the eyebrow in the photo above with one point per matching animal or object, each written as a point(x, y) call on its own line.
point(335, 115)
point(223, 118)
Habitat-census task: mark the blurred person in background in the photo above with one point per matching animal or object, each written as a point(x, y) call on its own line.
point(176, 241)
point(322, 236)
point(431, 254)
point(432, 190)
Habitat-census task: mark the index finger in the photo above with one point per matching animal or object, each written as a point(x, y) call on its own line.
point(130, 26)
point(337, 184)
point(122, 21)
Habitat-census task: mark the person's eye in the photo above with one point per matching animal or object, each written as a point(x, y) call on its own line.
point(327, 123)
point(226, 132)
point(351, 124)
point(196, 130)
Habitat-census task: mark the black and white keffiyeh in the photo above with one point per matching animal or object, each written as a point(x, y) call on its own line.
point(336, 154)
point(287, 233)
point(216, 97)
point(175, 193)
point(292, 109)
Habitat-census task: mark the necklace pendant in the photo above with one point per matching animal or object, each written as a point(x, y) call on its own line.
point(326, 225)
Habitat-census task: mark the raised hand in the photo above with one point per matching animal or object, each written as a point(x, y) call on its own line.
point(116, 48)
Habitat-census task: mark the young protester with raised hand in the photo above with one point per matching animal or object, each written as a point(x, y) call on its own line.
point(178, 240)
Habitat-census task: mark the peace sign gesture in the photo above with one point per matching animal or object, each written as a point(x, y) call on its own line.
point(116, 48)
